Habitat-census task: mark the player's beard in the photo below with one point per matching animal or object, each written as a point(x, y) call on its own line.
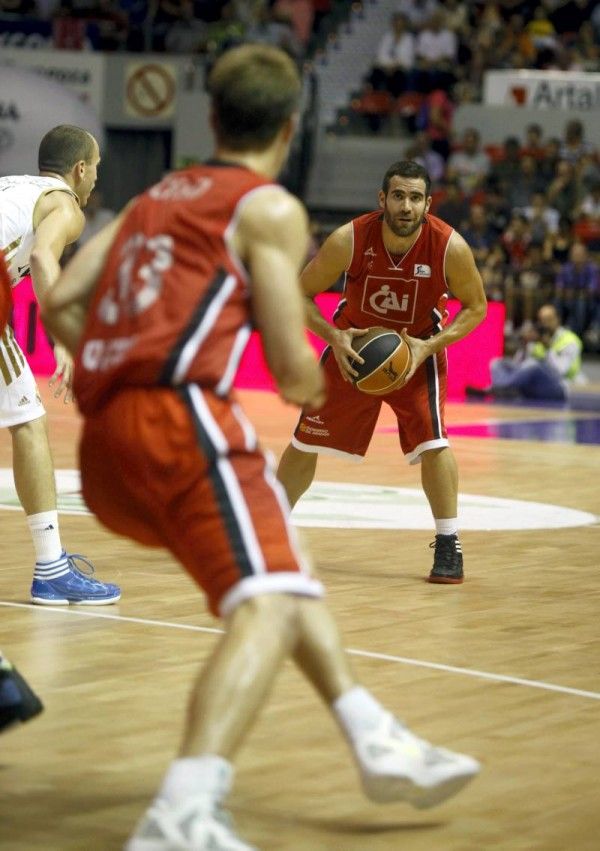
point(399, 228)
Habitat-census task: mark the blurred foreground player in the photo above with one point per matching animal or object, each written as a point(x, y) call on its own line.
point(17, 700)
point(159, 307)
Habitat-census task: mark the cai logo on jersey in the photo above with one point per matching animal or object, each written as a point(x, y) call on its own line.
point(392, 299)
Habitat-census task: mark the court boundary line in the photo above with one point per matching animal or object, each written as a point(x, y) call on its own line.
point(366, 654)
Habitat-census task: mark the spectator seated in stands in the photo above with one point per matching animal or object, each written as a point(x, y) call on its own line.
point(574, 146)
point(470, 165)
point(548, 163)
point(453, 207)
point(564, 192)
point(528, 286)
point(18, 8)
point(506, 169)
point(275, 28)
point(435, 119)
point(497, 208)
point(187, 34)
point(494, 275)
point(436, 51)
point(545, 367)
point(525, 184)
point(417, 12)
point(587, 226)
point(421, 152)
point(478, 234)
point(558, 245)
point(394, 63)
point(577, 291)
point(543, 35)
point(533, 145)
point(541, 216)
point(516, 239)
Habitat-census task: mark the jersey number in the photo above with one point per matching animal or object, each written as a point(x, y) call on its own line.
point(138, 284)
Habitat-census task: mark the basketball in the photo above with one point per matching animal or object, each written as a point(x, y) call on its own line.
point(387, 361)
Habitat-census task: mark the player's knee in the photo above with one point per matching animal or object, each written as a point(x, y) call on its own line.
point(32, 430)
point(280, 611)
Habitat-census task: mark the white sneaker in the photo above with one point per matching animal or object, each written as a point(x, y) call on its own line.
point(191, 826)
point(396, 765)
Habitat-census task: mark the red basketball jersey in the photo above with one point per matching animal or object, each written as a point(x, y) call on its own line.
point(172, 304)
point(397, 291)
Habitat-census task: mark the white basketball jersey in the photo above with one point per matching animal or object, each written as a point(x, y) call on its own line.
point(18, 196)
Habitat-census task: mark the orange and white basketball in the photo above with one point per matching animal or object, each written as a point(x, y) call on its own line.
point(387, 361)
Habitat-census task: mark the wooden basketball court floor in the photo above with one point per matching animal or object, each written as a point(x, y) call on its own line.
point(505, 667)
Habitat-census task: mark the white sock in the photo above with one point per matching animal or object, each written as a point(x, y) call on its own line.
point(448, 526)
point(358, 711)
point(197, 775)
point(45, 536)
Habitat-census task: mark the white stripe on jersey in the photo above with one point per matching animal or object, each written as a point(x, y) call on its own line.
point(237, 350)
point(230, 481)
point(190, 350)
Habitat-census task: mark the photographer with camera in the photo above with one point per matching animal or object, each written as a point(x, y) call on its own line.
point(546, 365)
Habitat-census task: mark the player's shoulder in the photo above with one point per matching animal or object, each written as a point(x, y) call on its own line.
point(367, 220)
point(438, 227)
point(64, 204)
point(269, 206)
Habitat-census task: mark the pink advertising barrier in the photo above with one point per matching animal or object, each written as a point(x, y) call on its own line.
point(468, 360)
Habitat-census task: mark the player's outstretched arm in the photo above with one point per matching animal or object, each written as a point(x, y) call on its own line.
point(58, 222)
point(328, 265)
point(272, 239)
point(64, 307)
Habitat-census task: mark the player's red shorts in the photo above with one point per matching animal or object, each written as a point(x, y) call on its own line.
point(345, 423)
point(183, 471)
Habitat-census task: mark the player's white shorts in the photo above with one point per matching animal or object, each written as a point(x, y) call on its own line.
point(20, 400)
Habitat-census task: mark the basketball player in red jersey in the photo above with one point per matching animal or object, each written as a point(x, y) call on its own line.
point(158, 309)
point(399, 263)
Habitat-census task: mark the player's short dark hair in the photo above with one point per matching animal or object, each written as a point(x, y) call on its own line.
point(406, 168)
point(63, 147)
point(254, 89)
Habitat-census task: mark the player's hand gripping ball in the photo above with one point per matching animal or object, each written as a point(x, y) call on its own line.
point(387, 361)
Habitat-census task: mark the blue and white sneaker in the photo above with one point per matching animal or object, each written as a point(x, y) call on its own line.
point(60, 582)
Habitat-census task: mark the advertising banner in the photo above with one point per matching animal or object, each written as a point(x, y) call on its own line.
point(79, 70)
point(29, 107)
point(566, 90)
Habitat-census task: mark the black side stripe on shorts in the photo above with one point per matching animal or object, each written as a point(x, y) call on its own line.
point(226, 506)
point(166, 376)
point(433, 391)
point(341, 305)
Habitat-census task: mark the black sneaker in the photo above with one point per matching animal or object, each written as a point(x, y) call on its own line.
point(447, 561)
point(17, 700)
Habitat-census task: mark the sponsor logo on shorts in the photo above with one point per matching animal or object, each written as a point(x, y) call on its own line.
point(317, 432)
point(23, 401)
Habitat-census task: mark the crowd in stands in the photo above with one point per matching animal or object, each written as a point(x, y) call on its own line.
point(450, 45)
point(530, 210)
point(529, 207)
point(175, 26)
